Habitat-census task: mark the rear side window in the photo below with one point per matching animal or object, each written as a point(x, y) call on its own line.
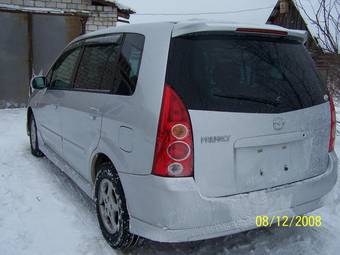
point(96, 61)
point(223, 72)
point(128, 65)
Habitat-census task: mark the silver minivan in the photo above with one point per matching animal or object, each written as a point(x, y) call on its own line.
point(187, 131)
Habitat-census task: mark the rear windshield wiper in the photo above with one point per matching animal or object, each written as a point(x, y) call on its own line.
point(247, 98)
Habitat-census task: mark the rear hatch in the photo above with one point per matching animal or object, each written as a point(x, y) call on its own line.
point(259, 111)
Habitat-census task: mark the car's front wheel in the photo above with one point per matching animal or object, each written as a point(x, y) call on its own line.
point(111, 208)
point(34, 138)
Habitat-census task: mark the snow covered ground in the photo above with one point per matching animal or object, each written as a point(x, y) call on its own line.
point(43, 212)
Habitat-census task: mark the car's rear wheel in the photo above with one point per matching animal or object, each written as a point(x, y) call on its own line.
point(34, 138)
point(111, 208)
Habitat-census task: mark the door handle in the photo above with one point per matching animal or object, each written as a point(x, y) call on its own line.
point(93, 109)
point(94, 113)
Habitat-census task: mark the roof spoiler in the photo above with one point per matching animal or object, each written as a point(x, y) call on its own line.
point(264, 30)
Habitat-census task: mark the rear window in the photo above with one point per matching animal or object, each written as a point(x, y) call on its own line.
point(224, 72)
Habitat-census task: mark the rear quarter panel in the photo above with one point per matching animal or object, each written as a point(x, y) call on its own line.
point(138, 113)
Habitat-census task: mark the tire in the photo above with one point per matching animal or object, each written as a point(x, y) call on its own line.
point(112, 213)
point(34, 138)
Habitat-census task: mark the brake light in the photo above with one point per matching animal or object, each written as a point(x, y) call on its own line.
point(333, 124)
point(262, 31)
point(174, 144)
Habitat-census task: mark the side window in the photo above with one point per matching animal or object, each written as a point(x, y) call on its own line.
point(128, 65)
point(96, 60)
point(63, 70)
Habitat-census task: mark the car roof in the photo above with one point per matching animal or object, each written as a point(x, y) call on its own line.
point(142, 28)
point(193, 26)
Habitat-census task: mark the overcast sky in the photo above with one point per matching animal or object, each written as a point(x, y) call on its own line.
point(196, 6)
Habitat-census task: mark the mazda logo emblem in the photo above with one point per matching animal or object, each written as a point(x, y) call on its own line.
point(278, 123)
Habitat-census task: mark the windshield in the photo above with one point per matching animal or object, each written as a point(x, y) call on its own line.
point(223, 72)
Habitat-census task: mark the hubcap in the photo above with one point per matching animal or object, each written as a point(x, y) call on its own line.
point(108, 206)
point(33, 135)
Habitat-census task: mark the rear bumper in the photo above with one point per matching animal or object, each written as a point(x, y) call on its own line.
point(173, 210)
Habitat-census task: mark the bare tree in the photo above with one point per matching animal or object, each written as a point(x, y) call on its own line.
point(325, 16)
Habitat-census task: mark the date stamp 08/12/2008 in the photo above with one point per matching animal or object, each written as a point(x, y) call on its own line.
point(286, 221)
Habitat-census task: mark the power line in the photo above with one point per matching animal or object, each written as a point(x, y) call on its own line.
point(203, 13)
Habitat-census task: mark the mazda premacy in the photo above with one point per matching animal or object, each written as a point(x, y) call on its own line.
point(187, 131)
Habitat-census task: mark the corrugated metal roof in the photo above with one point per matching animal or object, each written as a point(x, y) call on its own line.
point(120, 6)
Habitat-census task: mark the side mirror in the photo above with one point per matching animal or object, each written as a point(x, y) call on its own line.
point(38, 82)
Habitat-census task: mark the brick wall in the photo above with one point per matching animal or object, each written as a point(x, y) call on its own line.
point(99, 16)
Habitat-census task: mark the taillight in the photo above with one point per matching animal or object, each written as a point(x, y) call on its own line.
point(174, 143)
point(333, 125)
